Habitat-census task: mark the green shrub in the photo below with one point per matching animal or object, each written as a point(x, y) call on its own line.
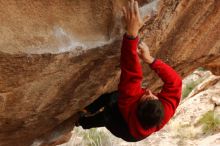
point(190, 86)
point(210, 122)
point(201, 69)
point(94, 137)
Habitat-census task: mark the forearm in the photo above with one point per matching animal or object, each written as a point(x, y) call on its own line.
point(150, 60)
point(131, 69)
point(172, 88)
point(165, 72)
point(129, 57)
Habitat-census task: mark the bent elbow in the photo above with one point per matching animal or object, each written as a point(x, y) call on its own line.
point(180, 81)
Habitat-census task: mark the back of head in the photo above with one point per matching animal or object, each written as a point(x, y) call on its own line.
point(150, 113)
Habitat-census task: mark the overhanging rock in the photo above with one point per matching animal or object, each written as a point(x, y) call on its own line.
point(56, 57)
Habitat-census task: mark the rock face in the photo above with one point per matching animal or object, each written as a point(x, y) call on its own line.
point(185, 34)
point(214, 66)
point(56, 57)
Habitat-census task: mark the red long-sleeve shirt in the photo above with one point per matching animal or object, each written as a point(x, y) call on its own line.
point(130, 90)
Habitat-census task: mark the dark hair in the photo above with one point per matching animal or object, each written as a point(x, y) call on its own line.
point(150, 113)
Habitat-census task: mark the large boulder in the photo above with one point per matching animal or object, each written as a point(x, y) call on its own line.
point(58, 56)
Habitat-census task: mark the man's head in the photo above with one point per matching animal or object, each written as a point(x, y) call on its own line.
point(150, 110)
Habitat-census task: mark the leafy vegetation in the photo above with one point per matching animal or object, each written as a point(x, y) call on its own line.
point(190, 86)
point(201, 69)
point(94, 137)
point(210, 121)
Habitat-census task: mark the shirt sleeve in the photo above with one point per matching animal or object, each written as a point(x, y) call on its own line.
point(170, 94)
point(131, 76)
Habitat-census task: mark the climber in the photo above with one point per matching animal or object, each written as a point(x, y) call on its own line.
point(133, 113)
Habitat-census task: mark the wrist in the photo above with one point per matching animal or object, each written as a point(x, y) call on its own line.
point(132, 35)
point(149, 60)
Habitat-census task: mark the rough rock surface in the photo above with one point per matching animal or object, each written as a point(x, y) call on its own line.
point(47, 72)
point(214, 66)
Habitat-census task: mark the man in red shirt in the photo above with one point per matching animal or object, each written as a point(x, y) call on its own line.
point(133, 113)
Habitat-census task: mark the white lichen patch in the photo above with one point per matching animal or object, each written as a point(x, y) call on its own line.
point(62, 40)
point(66, 42)
point(149, 9)
point(37, 143)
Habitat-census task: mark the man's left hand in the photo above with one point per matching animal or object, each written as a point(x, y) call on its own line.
point(132, 18)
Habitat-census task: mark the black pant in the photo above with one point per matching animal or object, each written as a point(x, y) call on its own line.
point(110, 117)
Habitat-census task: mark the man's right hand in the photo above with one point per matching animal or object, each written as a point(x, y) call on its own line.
point(132, 18)
point(144, 53)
